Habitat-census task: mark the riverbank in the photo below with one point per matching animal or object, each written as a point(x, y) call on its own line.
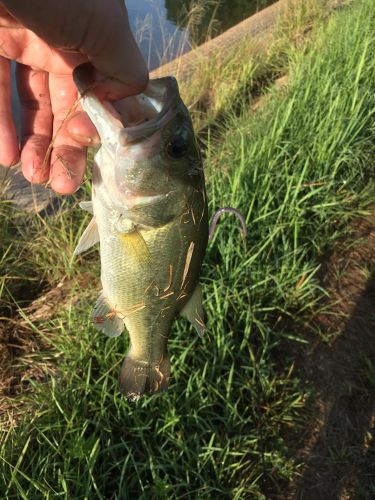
point(300, 169)
point(214, 77)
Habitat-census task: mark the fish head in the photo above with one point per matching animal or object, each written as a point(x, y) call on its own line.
point(149, 156)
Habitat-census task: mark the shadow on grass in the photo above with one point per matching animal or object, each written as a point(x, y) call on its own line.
point(339, 454)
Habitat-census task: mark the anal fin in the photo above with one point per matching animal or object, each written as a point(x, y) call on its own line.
point(193, 311)
point(105, 319)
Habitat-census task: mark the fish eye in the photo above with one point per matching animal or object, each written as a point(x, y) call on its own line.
point(178, 146)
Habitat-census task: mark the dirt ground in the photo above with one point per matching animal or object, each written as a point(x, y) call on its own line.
point(20, 350)
point(338, 454)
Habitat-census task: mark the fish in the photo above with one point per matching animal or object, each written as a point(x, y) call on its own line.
point(150, 217)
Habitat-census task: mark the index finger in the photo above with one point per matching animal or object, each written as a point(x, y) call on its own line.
point(9, 151)
point(68, 158)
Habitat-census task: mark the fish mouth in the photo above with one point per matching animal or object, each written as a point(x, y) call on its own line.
point(144, 114)
point(133, 118)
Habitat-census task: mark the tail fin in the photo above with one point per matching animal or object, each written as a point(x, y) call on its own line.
point(139, 377)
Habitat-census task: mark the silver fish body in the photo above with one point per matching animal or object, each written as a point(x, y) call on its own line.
point(150, 215)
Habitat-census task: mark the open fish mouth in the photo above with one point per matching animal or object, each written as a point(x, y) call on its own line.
point(134, 121)
point(133, 118)
point(144, 114)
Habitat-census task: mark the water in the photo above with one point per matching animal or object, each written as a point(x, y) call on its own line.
point(158, 36)
point(163, 29)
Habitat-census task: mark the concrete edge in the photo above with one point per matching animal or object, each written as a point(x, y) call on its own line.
point(256, 26)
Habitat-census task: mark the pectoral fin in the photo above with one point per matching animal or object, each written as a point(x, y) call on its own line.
point(193, 311)
point(136, 247)
point(105, 319)
point(89, 237)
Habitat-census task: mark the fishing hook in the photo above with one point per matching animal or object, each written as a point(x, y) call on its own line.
point(217, 216)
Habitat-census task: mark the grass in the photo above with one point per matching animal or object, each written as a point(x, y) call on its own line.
point(299, 171)
point(213, 85)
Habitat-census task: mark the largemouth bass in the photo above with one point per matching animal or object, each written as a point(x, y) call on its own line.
point(150, 215)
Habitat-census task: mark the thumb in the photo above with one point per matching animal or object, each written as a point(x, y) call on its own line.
point(99, 29)
point(123, 72)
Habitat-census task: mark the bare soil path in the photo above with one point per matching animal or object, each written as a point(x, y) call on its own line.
point(338, 453)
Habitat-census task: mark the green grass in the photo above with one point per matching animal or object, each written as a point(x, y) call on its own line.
point(216, 83)
point(299, 171)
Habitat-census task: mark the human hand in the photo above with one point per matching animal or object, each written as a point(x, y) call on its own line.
point(48, 39)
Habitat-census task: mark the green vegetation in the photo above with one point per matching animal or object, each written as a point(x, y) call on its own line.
point(300, 169)
point(226, 13)
point(217, 84)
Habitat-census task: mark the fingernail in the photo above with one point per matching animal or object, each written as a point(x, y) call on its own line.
point(85, 139)
point(84, 76)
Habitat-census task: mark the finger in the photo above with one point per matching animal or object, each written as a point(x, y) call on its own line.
point(99, 30)
point(68, 158)
point(82, 130)
point(36, 120)
point(7, 21)
point(124, 72)
point(9, 150)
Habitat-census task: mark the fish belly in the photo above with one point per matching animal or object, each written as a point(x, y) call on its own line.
point(139, 282)
point(148, 276)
